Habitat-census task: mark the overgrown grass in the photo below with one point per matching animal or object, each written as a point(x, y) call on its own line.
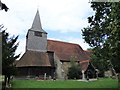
point(101, 83)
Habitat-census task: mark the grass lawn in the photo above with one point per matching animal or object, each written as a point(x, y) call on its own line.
point(101, 83)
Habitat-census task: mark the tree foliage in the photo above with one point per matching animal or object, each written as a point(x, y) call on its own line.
point(9, 46)
point(74, 71)
point(103, 35)
point(3, 6)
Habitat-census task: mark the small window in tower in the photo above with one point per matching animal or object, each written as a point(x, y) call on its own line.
point(38, 34)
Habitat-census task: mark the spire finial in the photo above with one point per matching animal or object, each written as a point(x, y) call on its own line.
point(36, 26)
point(36, 23)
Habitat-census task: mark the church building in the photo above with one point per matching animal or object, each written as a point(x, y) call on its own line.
point(48, 57)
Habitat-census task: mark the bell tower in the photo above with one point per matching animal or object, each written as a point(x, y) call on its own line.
point(36, 39)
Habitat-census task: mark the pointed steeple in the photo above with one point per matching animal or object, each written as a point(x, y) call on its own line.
point(36, 26)
point(36, 39)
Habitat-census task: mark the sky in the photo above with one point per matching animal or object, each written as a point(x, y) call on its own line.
point(63, 20)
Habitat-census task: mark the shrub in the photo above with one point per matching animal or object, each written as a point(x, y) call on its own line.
point(74, 71)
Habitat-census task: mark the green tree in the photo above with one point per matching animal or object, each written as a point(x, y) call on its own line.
point(9, 47)
point(3, 6)
point(103, 35)
point(74, 71)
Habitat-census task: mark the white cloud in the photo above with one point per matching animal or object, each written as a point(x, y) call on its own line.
point(56, 15)
point(22, 47)
point(66, 15)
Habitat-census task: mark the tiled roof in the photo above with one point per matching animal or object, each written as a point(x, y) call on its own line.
point(84, 64)
point(88, 53)
point(65, 50)
point(34, 58)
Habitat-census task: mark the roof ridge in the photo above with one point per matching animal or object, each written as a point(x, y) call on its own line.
point(63, 42)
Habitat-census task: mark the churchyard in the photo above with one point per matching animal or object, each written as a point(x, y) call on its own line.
point(100, 83)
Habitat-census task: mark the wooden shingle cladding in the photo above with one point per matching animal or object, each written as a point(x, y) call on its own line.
point(35, 71)
point(34, 58)
point(34, 63)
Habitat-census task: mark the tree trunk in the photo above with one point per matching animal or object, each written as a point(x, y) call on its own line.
point(119, 81)
point(8, 81)
point(5, 81)
point(118, 77)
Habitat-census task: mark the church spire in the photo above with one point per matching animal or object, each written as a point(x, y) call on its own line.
point(36, 39)
point(36, 26)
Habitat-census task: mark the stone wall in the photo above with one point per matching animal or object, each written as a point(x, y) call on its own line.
point(65, 66)
point(58, 67)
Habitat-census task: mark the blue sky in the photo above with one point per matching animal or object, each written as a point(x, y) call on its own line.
point(61, 19)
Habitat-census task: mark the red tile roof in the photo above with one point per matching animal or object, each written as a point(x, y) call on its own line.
point(88, 53)
point(65, 51)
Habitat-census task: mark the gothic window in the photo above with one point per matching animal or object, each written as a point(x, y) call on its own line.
point(39, 34)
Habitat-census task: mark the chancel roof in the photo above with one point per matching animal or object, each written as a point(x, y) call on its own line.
point(65, 51)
